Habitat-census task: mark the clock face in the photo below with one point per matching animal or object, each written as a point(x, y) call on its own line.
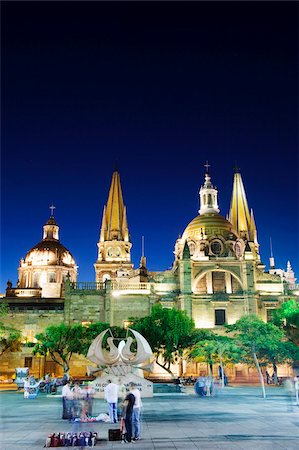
point(114, 252)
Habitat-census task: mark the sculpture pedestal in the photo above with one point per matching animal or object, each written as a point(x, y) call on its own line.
point(121, 375)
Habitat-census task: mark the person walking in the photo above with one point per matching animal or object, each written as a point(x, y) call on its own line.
point(136, 411)
point(111, 397)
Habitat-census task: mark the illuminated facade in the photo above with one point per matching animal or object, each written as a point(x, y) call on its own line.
point(217, 275)
point(43, 271)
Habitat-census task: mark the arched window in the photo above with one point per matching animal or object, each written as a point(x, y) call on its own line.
point(52, 277)
point(36, 277)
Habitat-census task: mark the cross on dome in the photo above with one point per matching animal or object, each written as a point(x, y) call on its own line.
point(52, 207)
point(207, 165)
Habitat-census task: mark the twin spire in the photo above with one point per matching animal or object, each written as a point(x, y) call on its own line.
point(239, 215)
point(114, 221)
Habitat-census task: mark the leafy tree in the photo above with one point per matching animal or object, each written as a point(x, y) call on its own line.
point(287, 318)
point(89, 333)
point(168, 331)
point(60, 342)
point(10, 337)
point(256, 339)
point(280, 353)
point(4, 308)
point(213, 348)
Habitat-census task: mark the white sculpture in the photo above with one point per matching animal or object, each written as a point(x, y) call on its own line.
point(119, 361)
point(122, 353)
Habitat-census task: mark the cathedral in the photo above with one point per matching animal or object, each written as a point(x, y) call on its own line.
point(217, 276)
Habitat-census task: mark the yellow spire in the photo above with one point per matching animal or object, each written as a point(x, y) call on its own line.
point(114, 222)
point(239, 215)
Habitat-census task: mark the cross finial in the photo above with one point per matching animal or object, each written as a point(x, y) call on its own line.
point(116, 168)
point(236, 168)
point(207, 165)
point(52, 207)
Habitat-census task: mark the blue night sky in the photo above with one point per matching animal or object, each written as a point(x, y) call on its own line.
point(156, 88)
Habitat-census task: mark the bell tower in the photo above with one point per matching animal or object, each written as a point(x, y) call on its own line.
point(114, 246)
point(208, 195)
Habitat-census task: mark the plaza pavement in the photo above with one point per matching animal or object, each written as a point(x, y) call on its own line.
point(236, 418)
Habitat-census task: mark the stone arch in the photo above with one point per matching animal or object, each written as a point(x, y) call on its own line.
point(203, 274)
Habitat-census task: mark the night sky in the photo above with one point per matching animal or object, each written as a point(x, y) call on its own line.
point(155, 89)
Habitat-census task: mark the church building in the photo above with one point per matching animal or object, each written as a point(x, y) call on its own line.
point(217, 276)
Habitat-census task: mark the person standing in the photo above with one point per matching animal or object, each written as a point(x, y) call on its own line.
point(87, 398)
point(77, 395)
point(136, 411)
point(127, 415)
point(111, 397)
point(122, 392)
point(26, 387)
point(296, 386)
point(67, 402)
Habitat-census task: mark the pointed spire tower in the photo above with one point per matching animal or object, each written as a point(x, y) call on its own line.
point(114, 245)
point(239, 215)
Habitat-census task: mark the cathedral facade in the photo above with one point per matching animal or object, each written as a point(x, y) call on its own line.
point(217, 276)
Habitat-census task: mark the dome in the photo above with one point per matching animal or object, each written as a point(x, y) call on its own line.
point(208, 225)
point(49, 252)
point(47, 265)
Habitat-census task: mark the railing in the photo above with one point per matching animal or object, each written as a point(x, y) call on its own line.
point(88, 286)
point(123, 286)
point(293, 287)
point(24, 292)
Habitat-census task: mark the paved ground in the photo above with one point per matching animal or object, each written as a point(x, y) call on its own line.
point(237, 418)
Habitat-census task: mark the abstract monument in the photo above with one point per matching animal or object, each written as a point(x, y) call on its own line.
point(120, 363)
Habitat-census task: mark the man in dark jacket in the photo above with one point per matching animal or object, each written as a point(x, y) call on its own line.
point(128, 412)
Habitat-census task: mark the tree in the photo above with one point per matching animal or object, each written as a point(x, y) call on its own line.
point(10, 337)
point(255, 338)
point(168, 331)
point(4, 308)
point(213, 348)
point(60, 342)
point(281, 353)
point(287, 318)
point(89, 333)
